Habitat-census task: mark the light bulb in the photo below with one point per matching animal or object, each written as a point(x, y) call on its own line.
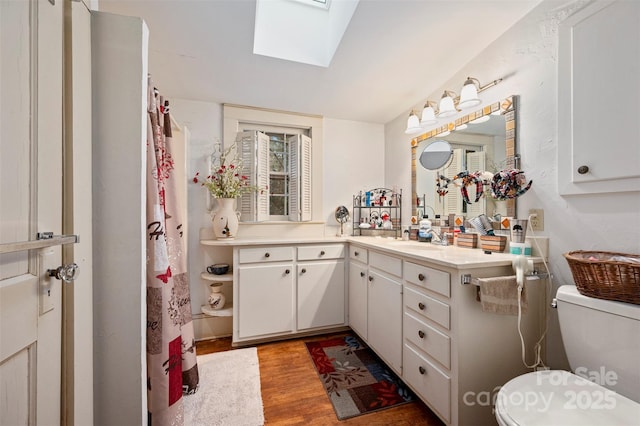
point(413, 124)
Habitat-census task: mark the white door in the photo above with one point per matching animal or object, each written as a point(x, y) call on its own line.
point(265, 299)
point(385, 318)
point(320, 294)
point(77, 314)
point(358, 298)
point(30, 202)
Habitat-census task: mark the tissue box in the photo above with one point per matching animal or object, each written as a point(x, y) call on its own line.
point(493, 242)
point(468, 239)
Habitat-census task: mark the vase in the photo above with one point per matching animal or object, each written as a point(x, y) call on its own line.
point(225, 219)
point(216, 298)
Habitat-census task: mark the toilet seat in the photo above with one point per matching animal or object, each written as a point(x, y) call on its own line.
point(557, 397)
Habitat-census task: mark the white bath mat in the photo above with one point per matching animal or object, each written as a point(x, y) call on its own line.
point(229, 391)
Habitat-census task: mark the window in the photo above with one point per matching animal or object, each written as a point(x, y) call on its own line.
point(281, 163)
point(278, 153)
point(279, 175)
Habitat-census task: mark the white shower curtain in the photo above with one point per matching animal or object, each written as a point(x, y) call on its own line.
point(171, 357)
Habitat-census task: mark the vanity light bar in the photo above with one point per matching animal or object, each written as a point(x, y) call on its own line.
point(448, 105)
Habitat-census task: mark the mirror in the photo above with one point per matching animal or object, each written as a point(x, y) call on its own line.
point(342, 217)
point(342, 214)
point(487, 143)
point(436, 155)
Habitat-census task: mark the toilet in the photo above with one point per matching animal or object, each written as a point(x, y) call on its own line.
point(602, 342)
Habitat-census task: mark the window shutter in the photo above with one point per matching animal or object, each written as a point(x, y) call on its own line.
point(305, 178)
point(294, 183)
point(453, 199)
point(262, 178)
point(475, 162)
point(300, 178)
point(245, 143)
point(254, 147)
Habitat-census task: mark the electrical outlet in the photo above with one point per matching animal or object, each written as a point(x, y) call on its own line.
point(537, 222)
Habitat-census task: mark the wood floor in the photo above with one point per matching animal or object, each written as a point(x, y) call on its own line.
point(292, 394)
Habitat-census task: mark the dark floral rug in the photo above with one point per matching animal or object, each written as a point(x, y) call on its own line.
point(356, 380)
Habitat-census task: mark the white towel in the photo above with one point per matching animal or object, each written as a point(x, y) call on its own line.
point(500, 295)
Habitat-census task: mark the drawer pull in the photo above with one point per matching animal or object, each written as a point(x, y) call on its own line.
point(422, 370)
point(421, 334)
point(370, 278)
point(303, 271)
point(421, 277)
point(286, 271)
point(362, 274)
point(421, 306)
point(322, 253)
point(267, 254)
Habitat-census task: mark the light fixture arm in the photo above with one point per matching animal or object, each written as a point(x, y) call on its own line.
point(451, 94)
point(431, 104)
point(486, 86)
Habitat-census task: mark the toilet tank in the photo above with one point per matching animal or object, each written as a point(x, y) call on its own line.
point(602, 340)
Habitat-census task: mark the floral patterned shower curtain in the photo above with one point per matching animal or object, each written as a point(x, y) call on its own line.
point(171, 359)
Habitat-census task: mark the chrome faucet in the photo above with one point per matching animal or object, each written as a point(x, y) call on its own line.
point(439, 239)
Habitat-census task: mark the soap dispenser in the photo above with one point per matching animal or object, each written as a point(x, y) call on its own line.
point(424, 229)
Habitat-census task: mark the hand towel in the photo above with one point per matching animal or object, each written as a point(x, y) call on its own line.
point(499, 295)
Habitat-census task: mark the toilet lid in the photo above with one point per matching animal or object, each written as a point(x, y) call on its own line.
point(556, 397)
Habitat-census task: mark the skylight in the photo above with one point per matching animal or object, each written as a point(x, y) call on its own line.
point(294, 31)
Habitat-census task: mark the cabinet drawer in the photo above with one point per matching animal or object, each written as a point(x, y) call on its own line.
point(265, 254)
point(429, 381)
point(427, 306)
point(427, 338)
point(358, 253)
point(391, 265)
point(428, 278)
point(319, 252)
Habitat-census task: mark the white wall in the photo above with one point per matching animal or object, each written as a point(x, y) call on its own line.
point(353, 161)
point(119, 79)
point(526, 56)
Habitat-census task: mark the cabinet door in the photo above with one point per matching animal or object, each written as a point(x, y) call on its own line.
point(320, 294)
point(358, 298)
point(598, 130)
point(385, 318)
point(265, 304)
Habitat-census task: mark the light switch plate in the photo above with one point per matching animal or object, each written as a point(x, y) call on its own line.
point(537, 222)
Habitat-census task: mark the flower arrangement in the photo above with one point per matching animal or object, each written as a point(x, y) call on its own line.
point(226, 179)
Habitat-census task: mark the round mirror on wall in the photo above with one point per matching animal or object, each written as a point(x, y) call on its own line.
point(436, 155)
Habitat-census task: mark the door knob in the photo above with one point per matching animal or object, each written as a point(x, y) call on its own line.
point(66, 273)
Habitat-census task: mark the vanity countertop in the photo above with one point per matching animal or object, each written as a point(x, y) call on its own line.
point(254, 241)
point(450, 256)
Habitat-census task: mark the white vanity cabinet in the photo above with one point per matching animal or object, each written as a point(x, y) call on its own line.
point(427, 335)
point(282, 290)
point(455, 355)
point(375, 302)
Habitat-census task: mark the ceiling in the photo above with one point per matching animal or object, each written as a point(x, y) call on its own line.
point(393, 54)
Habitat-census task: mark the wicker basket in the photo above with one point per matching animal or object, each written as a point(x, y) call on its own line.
point(606, 275)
